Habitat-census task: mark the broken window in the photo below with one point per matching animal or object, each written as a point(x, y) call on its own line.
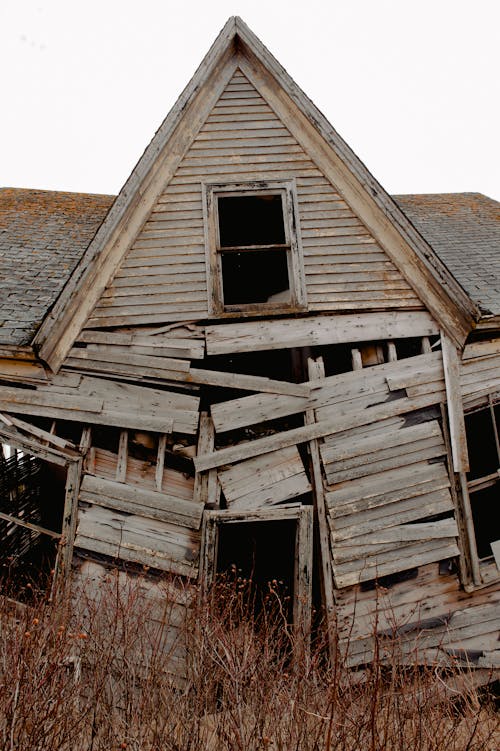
point(255, 263)
point(32, 495)
point(483, 480)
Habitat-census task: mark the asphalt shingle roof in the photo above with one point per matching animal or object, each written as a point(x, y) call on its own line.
point(464, 231)
point(43, 235)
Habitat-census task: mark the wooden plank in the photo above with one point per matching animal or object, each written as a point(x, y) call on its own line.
point(413, 507)
point(343, 387)
point(358, 446)
point(29, 525)
point(319, 330)
point(302, 604)
point(44, 398)
point(44, 435)
point(260, 472)
point(173, 509)
point(282, 490)
point(161, 539)
point(21, 370)
point(401, 533)
point(309, 432)
point(247, 382)
point(481, 349)
point(316, 371)
point(68, 527)
point(375, 489)
point(160, 462)
point(99, 353)
point(121, 464)
point(386, 460)
point(206, 490)
point(127, 552)
point(162, 345)
point(415, 556)
point(458, 437)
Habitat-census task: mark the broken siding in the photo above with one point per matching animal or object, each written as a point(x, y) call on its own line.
point(163, 277)
point(133, 520)
point(428, 613)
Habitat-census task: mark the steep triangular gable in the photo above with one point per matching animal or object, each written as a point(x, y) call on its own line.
point(163, 276)
point(332, 161)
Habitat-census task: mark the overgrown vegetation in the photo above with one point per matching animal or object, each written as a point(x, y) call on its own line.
point(92, 674)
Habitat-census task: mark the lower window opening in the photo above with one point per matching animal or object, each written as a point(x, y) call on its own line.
point(32, 493)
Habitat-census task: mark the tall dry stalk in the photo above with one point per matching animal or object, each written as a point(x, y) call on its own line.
point(92, 673)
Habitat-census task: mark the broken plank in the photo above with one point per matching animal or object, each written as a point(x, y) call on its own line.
point(334, 424)
point(247, 382)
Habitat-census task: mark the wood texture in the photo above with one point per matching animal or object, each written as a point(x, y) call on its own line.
point(243, 140)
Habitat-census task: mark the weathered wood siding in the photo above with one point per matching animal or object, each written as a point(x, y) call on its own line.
point(163, 276)
point(431, 616)
point(133, 521)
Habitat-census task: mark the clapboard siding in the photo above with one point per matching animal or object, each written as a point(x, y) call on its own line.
point(243, 140)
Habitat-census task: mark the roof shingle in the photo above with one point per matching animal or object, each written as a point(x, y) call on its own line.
point(464, 231)
point(43, 235)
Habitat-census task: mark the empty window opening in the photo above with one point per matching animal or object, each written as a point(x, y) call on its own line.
point(259, 276)
point(32, 494)
point(253, 249)
point(253, 246)
point(251, 220)
point(483, 479)
point(485, 507)
point(260, 555)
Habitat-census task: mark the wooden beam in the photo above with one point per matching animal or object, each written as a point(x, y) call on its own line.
point(316, 371)
point(318, 330)
point(458, 439)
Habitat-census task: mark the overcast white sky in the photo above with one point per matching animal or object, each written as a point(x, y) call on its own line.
point(411, 85)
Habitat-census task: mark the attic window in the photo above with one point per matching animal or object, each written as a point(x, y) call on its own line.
point(255, 263)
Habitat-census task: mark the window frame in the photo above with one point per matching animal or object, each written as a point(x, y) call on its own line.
point(484, 571)
point(292, 246)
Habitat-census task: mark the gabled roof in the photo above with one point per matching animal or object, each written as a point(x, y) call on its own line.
point(237, 46)
point(43, 235)
point(464, 230)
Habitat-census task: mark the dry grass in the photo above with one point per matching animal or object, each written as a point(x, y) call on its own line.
point(91, 675)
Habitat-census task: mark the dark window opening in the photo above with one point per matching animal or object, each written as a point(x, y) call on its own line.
point(485, 505)
point(483, 457)
point(255, 263)
point(260, 556)
point(251, 220)
point(255, 276)
point(32, 494)
point(484, 476)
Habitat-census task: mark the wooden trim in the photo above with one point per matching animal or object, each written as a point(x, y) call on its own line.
point(424, 271)
point(451, 365)
point(133, 205)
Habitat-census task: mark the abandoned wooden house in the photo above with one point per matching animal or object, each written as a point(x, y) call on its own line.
point(254, 348)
